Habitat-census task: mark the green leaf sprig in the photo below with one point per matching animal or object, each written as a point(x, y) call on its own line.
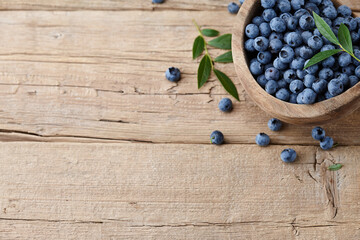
point(344, 41)
point(206, 65)
point(335, 167)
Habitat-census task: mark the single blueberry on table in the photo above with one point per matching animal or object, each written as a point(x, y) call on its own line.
point(288, 155)
point(297, 4)
point(258, 20)
point(320, 86)
point(309, 79)
point(252, 31)
point(353, 80)
point(217, 137)
point(261, 44)
point(344, 59)
point(307, 22)
point(278, 25)
point(262, 139)
point(268, 14)
point(272, 74)
point(271, 87)
point(233, 8)
point(157, 1)
point(286, 54)
point(256, 68)
point(274, 124)
point(268, 3)
point(265, 29)
point(326, 143)
point(344, 11)
point(308, 96)
point(282, 94)
point(335, 87)
point(296, 86)
point(173, 74)
point(264, 57)
point(225, 105)
point(318, 133)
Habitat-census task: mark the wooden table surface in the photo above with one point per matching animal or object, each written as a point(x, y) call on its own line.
point(97, 144)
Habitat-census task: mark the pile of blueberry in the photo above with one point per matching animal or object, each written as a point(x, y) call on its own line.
point(282, 40)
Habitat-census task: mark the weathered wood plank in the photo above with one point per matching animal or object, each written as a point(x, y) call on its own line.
point(84, 191)
point(63, 75)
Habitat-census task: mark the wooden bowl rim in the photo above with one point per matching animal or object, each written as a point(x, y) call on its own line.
point(262, 98)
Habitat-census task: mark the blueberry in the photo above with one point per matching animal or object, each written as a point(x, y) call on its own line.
point(292, 23)
point(261, 80)
point(320, 86)
point(233, 8)
point(326, 73)
point(271, 87)
point(330, 12)
point(337, 22)
point(328, 21)
point(268, 14)
point(306, 35)
point(262, 139)
point(275, 35)
point(316, 2)
point(296, 86)
point(300, 74)
point(344, 11)
point(284, 6)
point(318, 133)
point(344, 59)
point(268, 3)
point(264, 57)
point(335, 87)
point(269, 65)
point(225, 105)
point(308, 96)
point(283, 94)
point(315, 42)
point(258, 20)
point(272, 74)
point(353, 80)
point(328, 95)
point(278, 64)
point(293, 39)
point(265, 29)
point(288, 155)
point(309, 80)
point(326, 143)
point(256, 68)
point(349, 70)
point(282, 84)
point(312, 69)
point(293, 97)
point(217, 138)
point(278, 25)
point(306, 52)
point(352, 23)
point(261, 44)
point(357, 55)
point(307, 22)
point(325, 3)
point(249, 45)
point(297, 63)
point(297, 4)
point(357, 71)
point(299, 98)
point(355, 36)
point(252, 31)
point(301, 12)
point(289, 75)
point(275, 45)
point(241, 2)
point(173, 74)
point(285, 16)
point(327, 47)
point(329, 62)
point(311, 7)
point(343, 78)
point(157, 1)
point(317, 32)
point(274, 124)
point(286, 54)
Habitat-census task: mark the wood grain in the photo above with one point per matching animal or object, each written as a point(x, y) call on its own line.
point(112, 191)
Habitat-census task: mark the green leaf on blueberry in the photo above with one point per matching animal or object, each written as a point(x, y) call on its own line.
point(321, 56)
point(345, 38)
point(335, 167)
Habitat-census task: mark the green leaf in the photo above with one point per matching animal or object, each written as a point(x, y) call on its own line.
point(227, 84)
point(204, 70)
point(210, 32)
point(335, 167)
point(321, 56)
point(198, 47)
point(222, 42)
point(345, 38)
point(325, 29)
point(225, 58)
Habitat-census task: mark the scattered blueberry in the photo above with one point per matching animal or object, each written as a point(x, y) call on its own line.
point(225, 105)
point(233, 8)
point(274, 124)
point(326, 143)
point(288, 155)
point(217, 137)
point(157, 1)
point(318, 133)
point(173, 74)
point(262, 139)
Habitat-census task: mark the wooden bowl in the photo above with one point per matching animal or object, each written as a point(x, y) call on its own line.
point(321, 112)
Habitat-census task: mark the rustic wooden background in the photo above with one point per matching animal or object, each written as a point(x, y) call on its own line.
point(96, 144)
